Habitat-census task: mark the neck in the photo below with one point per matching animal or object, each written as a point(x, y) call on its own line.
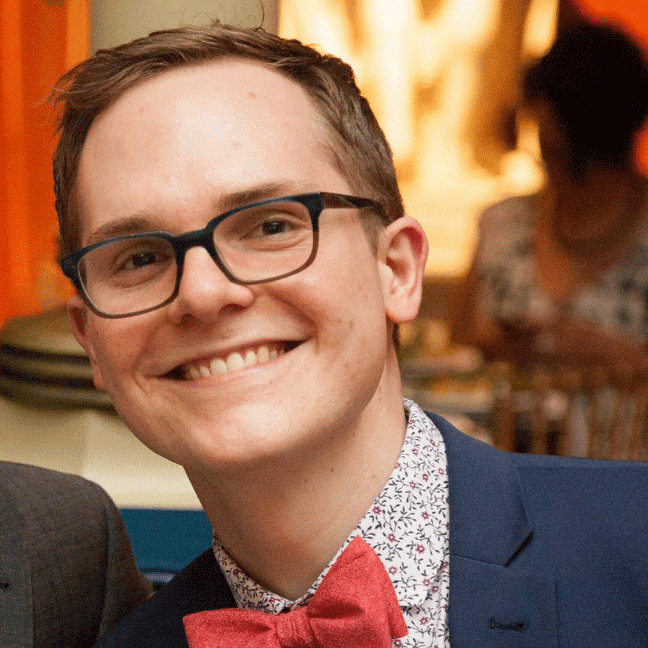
point(283, 520)
point(594, 215)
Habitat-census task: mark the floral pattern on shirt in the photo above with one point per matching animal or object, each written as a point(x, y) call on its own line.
point(408, 528)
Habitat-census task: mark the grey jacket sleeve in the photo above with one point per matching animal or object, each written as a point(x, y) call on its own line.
point(70, 571)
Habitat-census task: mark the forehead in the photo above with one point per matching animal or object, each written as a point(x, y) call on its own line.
point(253, 91)
point(225, 126)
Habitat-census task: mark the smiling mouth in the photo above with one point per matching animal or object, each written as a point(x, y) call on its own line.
point(232, 362)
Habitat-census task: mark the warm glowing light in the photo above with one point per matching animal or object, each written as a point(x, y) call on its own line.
point(420, 64)
point(540, 27)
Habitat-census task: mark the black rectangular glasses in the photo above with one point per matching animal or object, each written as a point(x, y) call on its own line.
point(256, 243)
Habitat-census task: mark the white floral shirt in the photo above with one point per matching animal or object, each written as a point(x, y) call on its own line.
point(407, 526)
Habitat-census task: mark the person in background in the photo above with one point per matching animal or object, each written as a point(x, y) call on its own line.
point(67, 572)
point(231, 220)
point(563, 273)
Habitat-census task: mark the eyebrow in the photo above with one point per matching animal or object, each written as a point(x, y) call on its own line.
point(143, 223)
point(136, 224)
point(260, 192)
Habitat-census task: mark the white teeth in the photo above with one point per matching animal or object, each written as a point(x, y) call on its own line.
point(234, 362)
point(218, 367)
point(263, 354)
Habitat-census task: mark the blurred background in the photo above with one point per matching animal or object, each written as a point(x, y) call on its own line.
point(442, 75)
point(444, 78)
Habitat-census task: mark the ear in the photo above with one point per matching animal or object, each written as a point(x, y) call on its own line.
point(404, 250)
point(78, 317)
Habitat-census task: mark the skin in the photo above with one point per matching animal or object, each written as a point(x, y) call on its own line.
point(285, 456)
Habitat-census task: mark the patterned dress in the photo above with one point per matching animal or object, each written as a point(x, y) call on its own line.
point(508, 276)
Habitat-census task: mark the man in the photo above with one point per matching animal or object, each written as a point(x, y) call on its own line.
point(67, 571)
point(231, 220)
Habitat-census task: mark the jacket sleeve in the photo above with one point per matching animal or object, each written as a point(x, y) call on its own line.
point(80, 572)
point(125, 586)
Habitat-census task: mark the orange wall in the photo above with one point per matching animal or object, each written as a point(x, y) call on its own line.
point(39, 39)
point(632, 14)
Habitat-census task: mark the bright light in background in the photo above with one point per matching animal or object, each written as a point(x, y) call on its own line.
point(420, 65)
point(540, 27)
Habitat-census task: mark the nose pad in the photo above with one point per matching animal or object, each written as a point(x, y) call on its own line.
point(205, 289)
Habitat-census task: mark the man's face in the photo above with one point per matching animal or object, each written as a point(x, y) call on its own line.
point(171, 154)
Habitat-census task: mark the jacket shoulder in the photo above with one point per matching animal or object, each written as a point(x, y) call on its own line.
point(157, 623)
point(79, 572)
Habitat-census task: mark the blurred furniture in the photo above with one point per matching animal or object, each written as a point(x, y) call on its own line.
point(586, 410)
point(548, 407)
point(42, 364)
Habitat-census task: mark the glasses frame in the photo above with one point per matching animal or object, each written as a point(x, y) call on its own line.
point(315, 203)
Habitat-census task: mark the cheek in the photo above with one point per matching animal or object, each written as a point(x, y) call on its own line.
point(349, 310)
point(115, 348)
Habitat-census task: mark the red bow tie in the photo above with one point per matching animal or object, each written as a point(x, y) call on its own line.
point(355, 606)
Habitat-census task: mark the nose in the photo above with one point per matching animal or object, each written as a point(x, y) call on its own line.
point(205, 291)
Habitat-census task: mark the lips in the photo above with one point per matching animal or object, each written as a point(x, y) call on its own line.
point(234, 361)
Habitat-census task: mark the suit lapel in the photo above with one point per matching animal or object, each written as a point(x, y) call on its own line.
point(492, 604)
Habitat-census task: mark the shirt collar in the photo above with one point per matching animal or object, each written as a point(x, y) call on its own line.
point(407, 526)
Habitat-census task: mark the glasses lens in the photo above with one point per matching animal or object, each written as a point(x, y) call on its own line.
point(265, 242)
point(129, 275)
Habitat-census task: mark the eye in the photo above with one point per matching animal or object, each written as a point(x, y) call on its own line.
point(263, 223)
point(130, 259)
point(276, 221)
point(274, 227)
point(141, 259)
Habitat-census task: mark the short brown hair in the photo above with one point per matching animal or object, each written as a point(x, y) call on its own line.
point(358, 146)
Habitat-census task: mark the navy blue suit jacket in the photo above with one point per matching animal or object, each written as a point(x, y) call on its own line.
point(545, 552)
